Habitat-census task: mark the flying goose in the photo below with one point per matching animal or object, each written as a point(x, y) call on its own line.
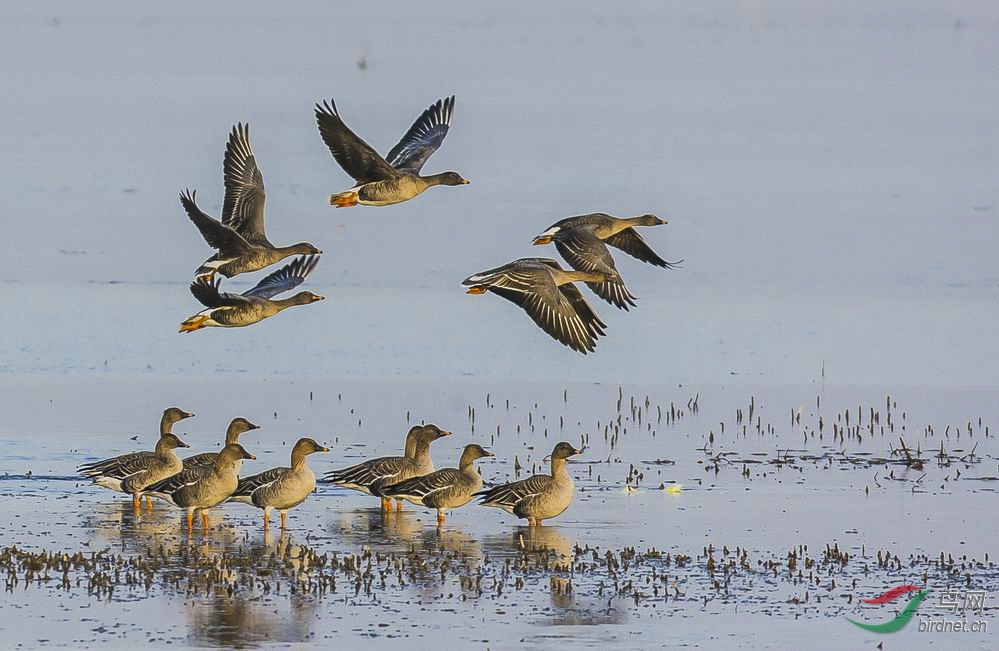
point(545, 291)
point(239, 238)
point(132, 472)
point(227, 310)
point(395, 178)
point(539, 497)
point(369, 476)
point(201, 488)
point(281, 488)
point(583, 241)
point(448, 488)
point(236, 427)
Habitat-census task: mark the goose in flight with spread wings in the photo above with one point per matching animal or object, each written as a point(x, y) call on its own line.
point(545, 291)
point(239, 238)
point(225, 310)
point(583, 241)
point(396, 177)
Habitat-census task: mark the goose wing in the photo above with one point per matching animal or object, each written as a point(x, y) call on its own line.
point(554, 309)
point(420, 488)
point(356, 157)
point(585, 252)
point(634, 245)
point(423, 138)
point(284, 279)
point(509, 495)
point(165, 488)
point(248, 487)
point(375, 471)
point(208, 294)
point(118, 467)
point(202, 460)
point(218, 235)
point(243, 206)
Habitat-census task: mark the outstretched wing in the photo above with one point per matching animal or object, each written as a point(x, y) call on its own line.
point(218, 235)
point(509, 495)
point(423, 138)
point(243, 206)
point(562, 312)
point(208, 294)
point(356, 157)
point(284, 279)
point(584, 251)
point(634, 245)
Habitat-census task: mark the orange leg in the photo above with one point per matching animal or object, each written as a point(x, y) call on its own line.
point(190, 522)
point(440, 518)
point(137, 503)
point(149, 503)
point(537, 522)
point(194, 323)
point(267, 520)
point(284, 520)
point(344, 199)
point(386, 504)
point(530, 522)
point(398, 505)
point(204, 520)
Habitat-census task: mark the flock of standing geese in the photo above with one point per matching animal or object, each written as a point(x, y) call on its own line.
point(540, 286)
point(204, 481)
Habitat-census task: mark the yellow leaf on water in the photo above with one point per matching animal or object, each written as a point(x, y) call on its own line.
point(674, 489)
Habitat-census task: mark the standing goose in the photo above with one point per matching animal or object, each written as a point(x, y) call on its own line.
point(239, 238)
point(583, 241)
point(281, 488)
point(545, 291)
point(236, 427)
point(131, 473)
point(227, 310)
point(201, 488)
point(540, 497)
point(370, 476)
point(448, 488)
point(395, 178)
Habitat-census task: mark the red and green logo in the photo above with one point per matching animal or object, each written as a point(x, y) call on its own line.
point(903, 617)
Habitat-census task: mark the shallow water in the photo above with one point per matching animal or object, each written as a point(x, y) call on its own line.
point(829, 178)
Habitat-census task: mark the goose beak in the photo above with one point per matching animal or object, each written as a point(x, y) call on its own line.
point(465, 181)
point(542, 239)
point(445, 433)
point(252, 426)
point(577, 451)
point(186, 414)
point(250, 457)
point(489, 454)
point(324, 449)
point(183, 445)
point(660, 221)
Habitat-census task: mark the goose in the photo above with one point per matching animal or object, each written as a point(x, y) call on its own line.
point(396, 177)
point(583, 240)
point(132, 472)
point(540, 497)
point(448, 488)
point(369, 476)
point(236, 427)
point(225, 310)
point(201, 488)
point(281, 488)
point(545, 291)
point(239, 238)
